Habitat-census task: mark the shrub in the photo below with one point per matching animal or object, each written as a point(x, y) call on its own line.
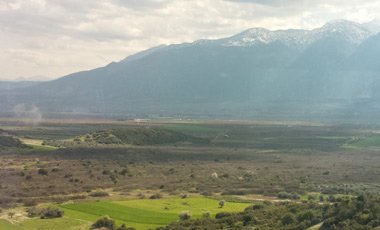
point(249, 219)
point(99, 194)
point(285, 195)
point(104, 222)
point(44, 213)
point(68, 175)
point(141, 196)
point(185, 216)
point(221, 203)
point(33, 211)
point(206, 214)
point(332, 198)
point(124, 172)
point(155, 196)
point(287, 219)
point(49, 213)
point(254, 207)
point(43, 172)
point(222, 215)
point(11, 214)
point(295, 197)
point(205, 193)
point(307, 215)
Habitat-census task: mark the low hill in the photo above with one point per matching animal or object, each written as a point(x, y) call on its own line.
point(7, 140)
point(131, 136)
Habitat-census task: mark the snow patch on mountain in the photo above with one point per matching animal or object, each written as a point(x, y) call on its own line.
point(352, 32)
point(256, 36)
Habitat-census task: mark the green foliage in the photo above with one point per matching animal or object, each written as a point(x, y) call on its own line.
point(260, 216)
point(362, 212)
point(306, 216)
point(358, 213)
point(288, 219)
point(372, 141)
point(222, 215)
point(105, 137)
point(105, 222)
point(185, 216)
point(153, 136)
point(45, 213)
point(254, 207)
point(155, 196)
point(221, 203)
point(285, 195)
point(130, 136)
point(206, 214)
point(51, 213)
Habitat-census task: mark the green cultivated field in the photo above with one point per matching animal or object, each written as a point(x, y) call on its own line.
point(8, 226)
point(367, 142)
point(140, 214)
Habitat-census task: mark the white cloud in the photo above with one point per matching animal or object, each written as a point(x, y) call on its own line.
point(54, 38)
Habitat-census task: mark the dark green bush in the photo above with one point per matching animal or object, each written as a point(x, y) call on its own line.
point(105, 222)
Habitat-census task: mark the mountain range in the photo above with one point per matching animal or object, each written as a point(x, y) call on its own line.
point(332, 72)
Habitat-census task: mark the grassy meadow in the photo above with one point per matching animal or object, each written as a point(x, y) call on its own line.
point(140, 214)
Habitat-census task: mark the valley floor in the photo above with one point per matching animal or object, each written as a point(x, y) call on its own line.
point(233, 161)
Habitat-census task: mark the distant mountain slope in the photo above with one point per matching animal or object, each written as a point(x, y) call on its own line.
point(326, 72)
point(11, 85)
point(366, 56)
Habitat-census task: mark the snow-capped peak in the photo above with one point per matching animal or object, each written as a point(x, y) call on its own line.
point(259, 35)
point(353, 32)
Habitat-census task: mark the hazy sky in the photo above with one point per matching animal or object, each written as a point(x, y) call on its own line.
point(56, 37)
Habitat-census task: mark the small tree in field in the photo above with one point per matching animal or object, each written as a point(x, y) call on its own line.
point(11, 214)
point(222, 203)
point(206, 214)
point(184, 216)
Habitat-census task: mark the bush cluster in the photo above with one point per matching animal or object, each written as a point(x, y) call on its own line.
point(109, 224)
point(362, 212)
point(45, 213)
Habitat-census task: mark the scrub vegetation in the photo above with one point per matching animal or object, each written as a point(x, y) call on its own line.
point(184, 175)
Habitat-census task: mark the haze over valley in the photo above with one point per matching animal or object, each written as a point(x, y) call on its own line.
point(189, 115)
